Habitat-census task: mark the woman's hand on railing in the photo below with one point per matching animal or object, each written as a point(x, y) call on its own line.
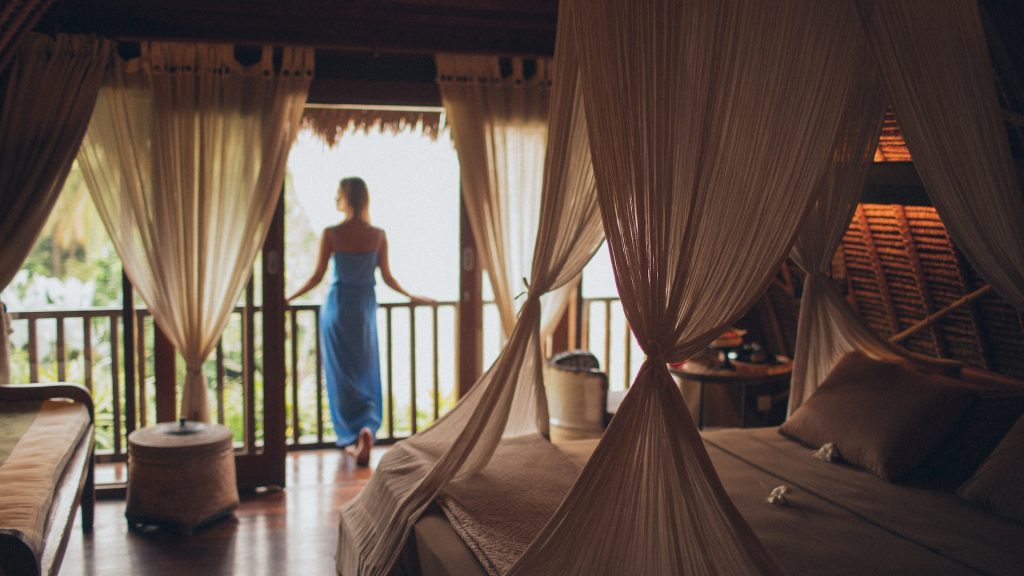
point(417, 300)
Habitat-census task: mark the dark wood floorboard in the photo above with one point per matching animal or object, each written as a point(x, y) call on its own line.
point(293, 531)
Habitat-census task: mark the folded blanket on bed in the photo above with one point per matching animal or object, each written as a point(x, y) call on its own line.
point(499, 511)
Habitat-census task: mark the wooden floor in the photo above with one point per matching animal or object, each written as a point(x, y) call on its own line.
point(293, 531)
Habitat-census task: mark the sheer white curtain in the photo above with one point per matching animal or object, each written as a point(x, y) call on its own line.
point(938, 74)
point(50, 92)
point(508, 400)
point(499, 122)
point(184, 159)
point(711, 125)
point(828, 327)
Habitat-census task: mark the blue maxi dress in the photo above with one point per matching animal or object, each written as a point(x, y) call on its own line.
point(348, 338)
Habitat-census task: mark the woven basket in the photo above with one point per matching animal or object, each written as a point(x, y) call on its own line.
point(182, 481)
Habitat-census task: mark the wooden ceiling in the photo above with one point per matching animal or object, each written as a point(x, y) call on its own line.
point(372, 52)
point(525, 27)
point(381, 51)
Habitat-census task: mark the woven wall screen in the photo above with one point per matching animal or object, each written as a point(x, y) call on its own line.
point(899, 266)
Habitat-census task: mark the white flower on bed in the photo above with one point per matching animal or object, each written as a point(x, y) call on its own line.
point(827, 453)
point(777, 496)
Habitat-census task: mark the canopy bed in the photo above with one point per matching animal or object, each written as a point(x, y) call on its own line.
point(835, 518)
point(720, 133)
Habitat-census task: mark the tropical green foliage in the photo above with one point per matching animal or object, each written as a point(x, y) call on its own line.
point(74, 266)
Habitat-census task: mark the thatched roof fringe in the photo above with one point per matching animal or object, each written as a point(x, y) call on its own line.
point(330, 123)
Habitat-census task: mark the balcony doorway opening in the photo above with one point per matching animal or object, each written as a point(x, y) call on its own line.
point(72, 322)
point(413, 182)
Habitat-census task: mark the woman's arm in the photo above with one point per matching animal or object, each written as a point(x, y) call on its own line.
point(389, 279)
point(321, 266)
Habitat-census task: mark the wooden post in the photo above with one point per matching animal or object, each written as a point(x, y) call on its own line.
point(164, 370)
point(563, 337)
point(469, 314)
point(273, 349)
point(128, 332)
point(931, 319)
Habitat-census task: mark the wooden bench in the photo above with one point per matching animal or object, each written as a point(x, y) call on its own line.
point(74, 487)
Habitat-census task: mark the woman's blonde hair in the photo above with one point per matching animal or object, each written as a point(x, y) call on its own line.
point(356, 195)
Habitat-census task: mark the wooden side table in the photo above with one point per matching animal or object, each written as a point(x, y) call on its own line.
point(180, 475)
point(706, 372)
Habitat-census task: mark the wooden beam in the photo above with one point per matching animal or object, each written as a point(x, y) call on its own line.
point(920, 279)
point(876, 267)
point(936, 316)
point(373, 93)
point(374, 79)
point(524, 27)
point(894, 183)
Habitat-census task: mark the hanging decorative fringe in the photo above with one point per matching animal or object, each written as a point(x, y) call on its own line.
point(330, 123)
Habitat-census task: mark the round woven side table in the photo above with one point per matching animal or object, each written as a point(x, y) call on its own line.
point(180, 475)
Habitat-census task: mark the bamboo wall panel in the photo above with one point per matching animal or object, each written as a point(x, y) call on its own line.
point(891, 146)
point(900, 265)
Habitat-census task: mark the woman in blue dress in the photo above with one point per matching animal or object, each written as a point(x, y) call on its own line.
point(348, 318)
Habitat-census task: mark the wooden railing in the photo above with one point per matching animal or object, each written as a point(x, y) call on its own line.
point(605, 333)
point(418, 345)
point(86, 345)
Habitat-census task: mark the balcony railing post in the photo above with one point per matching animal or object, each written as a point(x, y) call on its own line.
point(33, 351)
point(128, 318)
point(391, 376)
point(294, 349)
point(319, 383)
point(87, 350)
point(125, 401)
point(140, 351)
point(412, 368)
point(436, 362)
point(62, 373)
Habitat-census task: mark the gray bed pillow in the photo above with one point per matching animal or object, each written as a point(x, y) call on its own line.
point(998, 484)
point(882, 416)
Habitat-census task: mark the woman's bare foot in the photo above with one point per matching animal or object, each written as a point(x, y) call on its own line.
point(363, 447)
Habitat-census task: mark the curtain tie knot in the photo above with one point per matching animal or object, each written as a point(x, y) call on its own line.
point(653, 350)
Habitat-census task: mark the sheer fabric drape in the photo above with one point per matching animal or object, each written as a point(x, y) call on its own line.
point(934, 62)
point(184, 159)
point(508, 399)
point(40, 132)
point(711, 125)
point(499, 124)
point(17, 19)
point(828, 327)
